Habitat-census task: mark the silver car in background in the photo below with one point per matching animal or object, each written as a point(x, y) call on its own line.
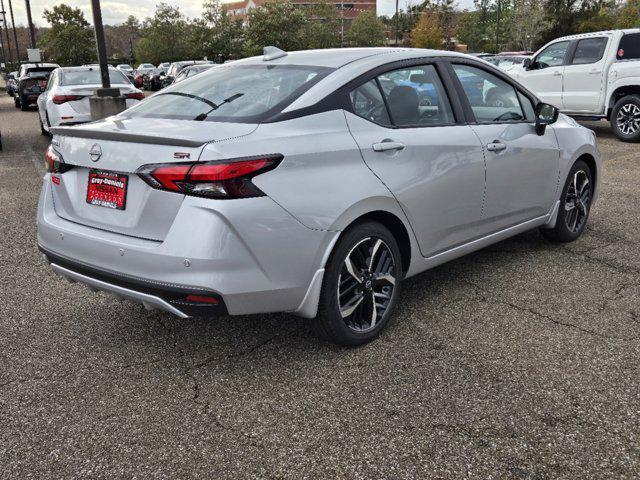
point(312, 182)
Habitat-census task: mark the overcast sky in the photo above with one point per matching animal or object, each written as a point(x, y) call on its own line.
point(116, 11)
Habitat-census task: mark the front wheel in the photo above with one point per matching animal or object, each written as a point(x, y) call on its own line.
point(575, 205)
point(360, 286)
point(625, 118)
point(24, 106)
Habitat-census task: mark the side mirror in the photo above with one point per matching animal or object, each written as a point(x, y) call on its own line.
point(545, 115)
point(527, 63)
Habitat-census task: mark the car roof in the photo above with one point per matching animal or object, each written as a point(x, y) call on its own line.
point(339, 57)
point(607, 33)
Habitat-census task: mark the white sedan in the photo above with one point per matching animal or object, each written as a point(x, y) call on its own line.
point(66, 99)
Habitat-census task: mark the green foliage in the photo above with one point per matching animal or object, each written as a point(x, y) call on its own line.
point(70, 40)
point(366, 31)
point(428, 33)
point(164, 37)
point(275, 23)
point(322, 26)
point(215, 35)
point(629, 16)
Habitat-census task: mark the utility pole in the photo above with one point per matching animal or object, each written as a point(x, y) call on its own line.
point(2, 57)
point(15, 34)
point(498, 29)
point(6, 30)
point(32, 32)
point(342, 23)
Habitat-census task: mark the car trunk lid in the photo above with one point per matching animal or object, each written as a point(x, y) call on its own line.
point(122, 146)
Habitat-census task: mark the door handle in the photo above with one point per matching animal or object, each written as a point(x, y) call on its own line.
point(387, 146)
point(595, 71)
point(557, 73)
point(496, 146)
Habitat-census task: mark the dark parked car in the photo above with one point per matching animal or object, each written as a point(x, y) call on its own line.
point(32, 81)
point(192, 71)
point(11, 82)
point(153, 80)
point(176, 68)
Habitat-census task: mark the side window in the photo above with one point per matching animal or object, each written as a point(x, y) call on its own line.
point(589, 50)
point(416, 97)
point(491, 98)
point(368, 103)
point(629, 48)
point(552, 56)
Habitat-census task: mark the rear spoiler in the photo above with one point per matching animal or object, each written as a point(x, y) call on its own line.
point(79, 132)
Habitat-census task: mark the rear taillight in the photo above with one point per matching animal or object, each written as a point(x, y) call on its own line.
point(223, 179)
point(54, 163)
point(60, 99)
point(135, 96)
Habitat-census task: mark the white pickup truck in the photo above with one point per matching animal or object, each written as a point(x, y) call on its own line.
point(590, 76)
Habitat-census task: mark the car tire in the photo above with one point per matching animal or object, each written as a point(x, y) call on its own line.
point(23, 105)
point(625, 118)
point(16, 102)
point(573, 213)
point(359, 295)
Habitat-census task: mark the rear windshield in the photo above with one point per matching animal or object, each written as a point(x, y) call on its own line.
point(91, 77)
point(629, 48)
point(41, 72)
point(232, 93)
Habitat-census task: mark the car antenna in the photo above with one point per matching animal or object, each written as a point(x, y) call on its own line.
point(271, 53)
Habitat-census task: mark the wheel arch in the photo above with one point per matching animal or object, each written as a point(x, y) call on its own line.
point(620, 92)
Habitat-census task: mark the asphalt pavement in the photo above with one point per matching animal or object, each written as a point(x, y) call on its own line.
point(519, 361)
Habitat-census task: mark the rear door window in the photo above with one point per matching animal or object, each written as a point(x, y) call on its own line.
point(629, 48)
point(589, 50)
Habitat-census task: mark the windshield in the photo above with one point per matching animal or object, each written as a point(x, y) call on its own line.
point(91, 77)
point(233, 93)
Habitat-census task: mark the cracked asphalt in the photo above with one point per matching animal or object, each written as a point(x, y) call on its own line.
point(519, 361)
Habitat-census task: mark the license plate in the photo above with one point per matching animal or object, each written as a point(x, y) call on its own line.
point(107, 189)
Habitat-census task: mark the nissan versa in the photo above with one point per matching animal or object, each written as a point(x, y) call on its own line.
point(311, 182)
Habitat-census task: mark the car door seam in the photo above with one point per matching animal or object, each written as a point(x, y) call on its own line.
point(484, 157)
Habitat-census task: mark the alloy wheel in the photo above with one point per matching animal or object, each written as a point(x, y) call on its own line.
point(366, 283)
point(628, 119)
point(577, 200)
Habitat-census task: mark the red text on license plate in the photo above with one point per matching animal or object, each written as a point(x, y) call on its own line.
point(107, 189)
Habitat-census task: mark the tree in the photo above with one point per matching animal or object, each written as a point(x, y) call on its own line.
point(366, 31)
point(70, 40)
point(216, 35)
point(527, 23)
point(121, 38)
point(321, 28)
point(427, 33)
point(275, 23)
point(629, 16)
point(164, 37)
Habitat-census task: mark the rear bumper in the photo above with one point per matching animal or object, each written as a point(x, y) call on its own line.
point(171, 298)
point(251, 253)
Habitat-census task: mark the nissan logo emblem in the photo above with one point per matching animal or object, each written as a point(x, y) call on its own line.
point(95, 153)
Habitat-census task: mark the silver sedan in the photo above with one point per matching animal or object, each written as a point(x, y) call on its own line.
point(311, 182)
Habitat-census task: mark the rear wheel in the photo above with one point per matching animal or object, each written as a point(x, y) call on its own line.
point(24, 106)
point(360, 285)
point(575, 205)
point(625, 118)
point(16, 101)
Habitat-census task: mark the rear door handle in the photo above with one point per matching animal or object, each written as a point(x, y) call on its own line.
point(386, 146)
point(557, 73)
point(595, 71)
point(496, 146)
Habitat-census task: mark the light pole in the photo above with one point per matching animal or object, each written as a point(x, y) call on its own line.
point(397, 24)
point(32, 33)
point(106, 101)
point(15, 34)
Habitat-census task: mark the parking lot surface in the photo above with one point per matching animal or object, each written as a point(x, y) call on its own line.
point(519, 361)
